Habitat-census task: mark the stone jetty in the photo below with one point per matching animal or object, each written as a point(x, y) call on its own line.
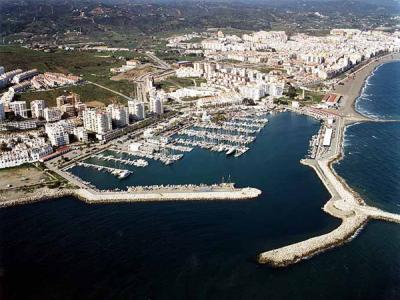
point(177, 193)
point(344, 204)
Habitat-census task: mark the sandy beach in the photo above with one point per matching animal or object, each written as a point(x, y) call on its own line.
point(353, 84)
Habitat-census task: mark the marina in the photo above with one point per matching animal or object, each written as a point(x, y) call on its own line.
point(119, 173)
point(137, 162)
point(165, 158)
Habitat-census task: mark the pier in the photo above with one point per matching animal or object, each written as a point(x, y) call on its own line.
point(135, 162)
point(344, 204)
point(142, 194)
point(120, 173)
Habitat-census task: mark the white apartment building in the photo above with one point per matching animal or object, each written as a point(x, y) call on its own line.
point(119, 115)
point(58, 135)
point(52, 114)
point(24, 75)
point(136, 110)
point(25, 149)
point(37, 108)
point(97, 121)
point(6, 78)
point(81, 134)
point(19, 108)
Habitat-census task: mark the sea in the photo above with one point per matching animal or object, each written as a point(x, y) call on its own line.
point(67, 249)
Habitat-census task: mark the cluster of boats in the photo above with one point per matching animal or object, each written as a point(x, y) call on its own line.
point(219, 136)
point(133, 162)
point(120, 173)
point(314, 144)
point(231, 137)
point(166, 159)
point(228, 149)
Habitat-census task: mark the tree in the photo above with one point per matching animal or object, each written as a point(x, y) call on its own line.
point(292, 92)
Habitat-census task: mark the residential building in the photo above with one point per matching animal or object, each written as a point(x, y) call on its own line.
point(37, 108)
point(19, 108)
point(97, 120)
point(119, 115)
point(52, 114)
point(57, 134)
point(136, 110)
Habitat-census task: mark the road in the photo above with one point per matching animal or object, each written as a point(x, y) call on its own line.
point(162, 63)
point(110, 90)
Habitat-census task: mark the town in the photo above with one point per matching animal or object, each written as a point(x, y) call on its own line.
point(260, 72)
point(193, 149)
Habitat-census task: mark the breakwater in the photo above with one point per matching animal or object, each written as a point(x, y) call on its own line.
point(344, 204)
point(173, 193)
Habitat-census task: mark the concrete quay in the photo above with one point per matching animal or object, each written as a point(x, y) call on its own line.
point(179, 193)
point(167, 195)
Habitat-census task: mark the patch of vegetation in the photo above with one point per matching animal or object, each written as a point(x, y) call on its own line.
point(88, 92)
point(86, 64)
point(174, 82)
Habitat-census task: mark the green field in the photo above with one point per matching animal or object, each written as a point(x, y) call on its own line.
point(88, 93)
point(175, 82)
point(89, 65)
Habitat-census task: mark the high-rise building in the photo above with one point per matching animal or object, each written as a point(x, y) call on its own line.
point(19, 108)
point(156, 106)
point(81, 134)
point(37, 108)
point(96, 120)
point(157, 99)
point(119, 115)
point(58, 135)
point(136, 110)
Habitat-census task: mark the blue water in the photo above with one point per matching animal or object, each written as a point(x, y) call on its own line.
point(66, 249)
point(380, 94)
point(372, 150)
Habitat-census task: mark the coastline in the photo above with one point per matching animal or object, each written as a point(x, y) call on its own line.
point(344, 203)
point(352, 88)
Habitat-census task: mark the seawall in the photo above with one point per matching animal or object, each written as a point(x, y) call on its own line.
point(95, 197)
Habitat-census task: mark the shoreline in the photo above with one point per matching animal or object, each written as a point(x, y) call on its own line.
point(352, 88)
point(344, 203)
